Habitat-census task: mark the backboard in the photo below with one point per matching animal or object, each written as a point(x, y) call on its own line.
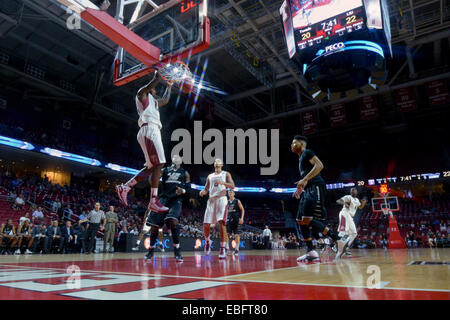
point(378, 204)
point(179, 28)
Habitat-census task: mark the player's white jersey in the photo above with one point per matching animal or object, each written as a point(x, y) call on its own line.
point(218, 190)
point(354, 204)
point(148, 111)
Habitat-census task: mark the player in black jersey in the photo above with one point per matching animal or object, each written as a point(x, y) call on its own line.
point(24, 232)
point(311, 190)
point(235, 219)
point(8, 235)
point(175, 182)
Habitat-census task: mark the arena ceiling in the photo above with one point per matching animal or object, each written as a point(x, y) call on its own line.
point(40, 57)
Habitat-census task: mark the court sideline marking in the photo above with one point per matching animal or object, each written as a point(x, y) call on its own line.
point(242, 280)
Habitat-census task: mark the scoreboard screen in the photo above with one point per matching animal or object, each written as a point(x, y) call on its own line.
point(317, 20)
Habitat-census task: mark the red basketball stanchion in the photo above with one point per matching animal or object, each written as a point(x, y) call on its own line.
point(395, 239)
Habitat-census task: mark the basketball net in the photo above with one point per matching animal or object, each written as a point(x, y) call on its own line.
point(387, 211)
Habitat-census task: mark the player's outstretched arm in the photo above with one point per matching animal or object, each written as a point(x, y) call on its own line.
point(166, 96)
point(363, 203)
point(145, 91)
point(340, 201)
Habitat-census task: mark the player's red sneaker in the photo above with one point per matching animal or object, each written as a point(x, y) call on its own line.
point(122, 191)
point(156, 206)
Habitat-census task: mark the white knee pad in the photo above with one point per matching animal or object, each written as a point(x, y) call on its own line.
point(146, 228)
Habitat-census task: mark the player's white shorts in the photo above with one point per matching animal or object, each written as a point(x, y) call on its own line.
point(149, 138)
point(346, 224)
point(216, 210)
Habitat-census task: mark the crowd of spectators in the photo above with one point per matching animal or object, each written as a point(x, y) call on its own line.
point(48, 206)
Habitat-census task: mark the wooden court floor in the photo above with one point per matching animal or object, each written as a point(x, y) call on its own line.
point(404, 274)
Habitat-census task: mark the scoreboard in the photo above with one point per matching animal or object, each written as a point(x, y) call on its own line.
point(339, 45)
point(311, 29)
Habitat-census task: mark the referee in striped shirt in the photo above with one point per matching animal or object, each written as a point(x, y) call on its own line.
point(94, 218)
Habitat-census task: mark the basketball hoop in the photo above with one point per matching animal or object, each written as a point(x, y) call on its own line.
point(387, 212)
point(177, 72)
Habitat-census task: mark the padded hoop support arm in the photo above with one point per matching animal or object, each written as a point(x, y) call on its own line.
point(122, 36)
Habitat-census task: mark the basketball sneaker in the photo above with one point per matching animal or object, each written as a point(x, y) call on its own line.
point(122, 192)
point(156, 206)
point(342, 246)
point(223, 253)
point(17, 252)
point(347, 253)
point(28, 252)
point(310, 256)
point(149, 254)
point(136, 248)
point(208, 247)
point(178, 257)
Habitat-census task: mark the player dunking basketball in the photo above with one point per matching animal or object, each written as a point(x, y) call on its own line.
point(216, 209)
point(149, 138)
point(347, 226)
point(311, 192)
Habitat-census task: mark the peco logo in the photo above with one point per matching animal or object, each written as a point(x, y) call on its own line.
point(335, 46)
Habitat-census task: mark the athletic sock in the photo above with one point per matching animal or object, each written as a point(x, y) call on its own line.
point(141, 175)
point(138, 242)
point(223, 244)
point(154, 192)
point(175, 229)
point(309, 245)
point(153, 237)
point(318, 226)
point(307, 235)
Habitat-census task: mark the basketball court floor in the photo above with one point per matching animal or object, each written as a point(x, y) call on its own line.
point(254, 275)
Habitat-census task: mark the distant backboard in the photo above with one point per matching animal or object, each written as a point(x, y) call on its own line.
point(179, 28)
point(385, 202)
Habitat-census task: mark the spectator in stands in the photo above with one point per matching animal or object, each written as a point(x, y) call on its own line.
point(68, 212)
point(24, 234)
point(8, 236)
point(54, 237)
point(443, 227)
point(83, 216)
point(79, 234)
point(134, 231)
point(67, 234)
point(19, 202)
point(26, 217)
point(39, 234)
point(38, 214)
point(411, 242)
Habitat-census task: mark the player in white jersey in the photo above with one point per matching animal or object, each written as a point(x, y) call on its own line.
point(347, 226)
point(216, 209)
point(149, 138)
